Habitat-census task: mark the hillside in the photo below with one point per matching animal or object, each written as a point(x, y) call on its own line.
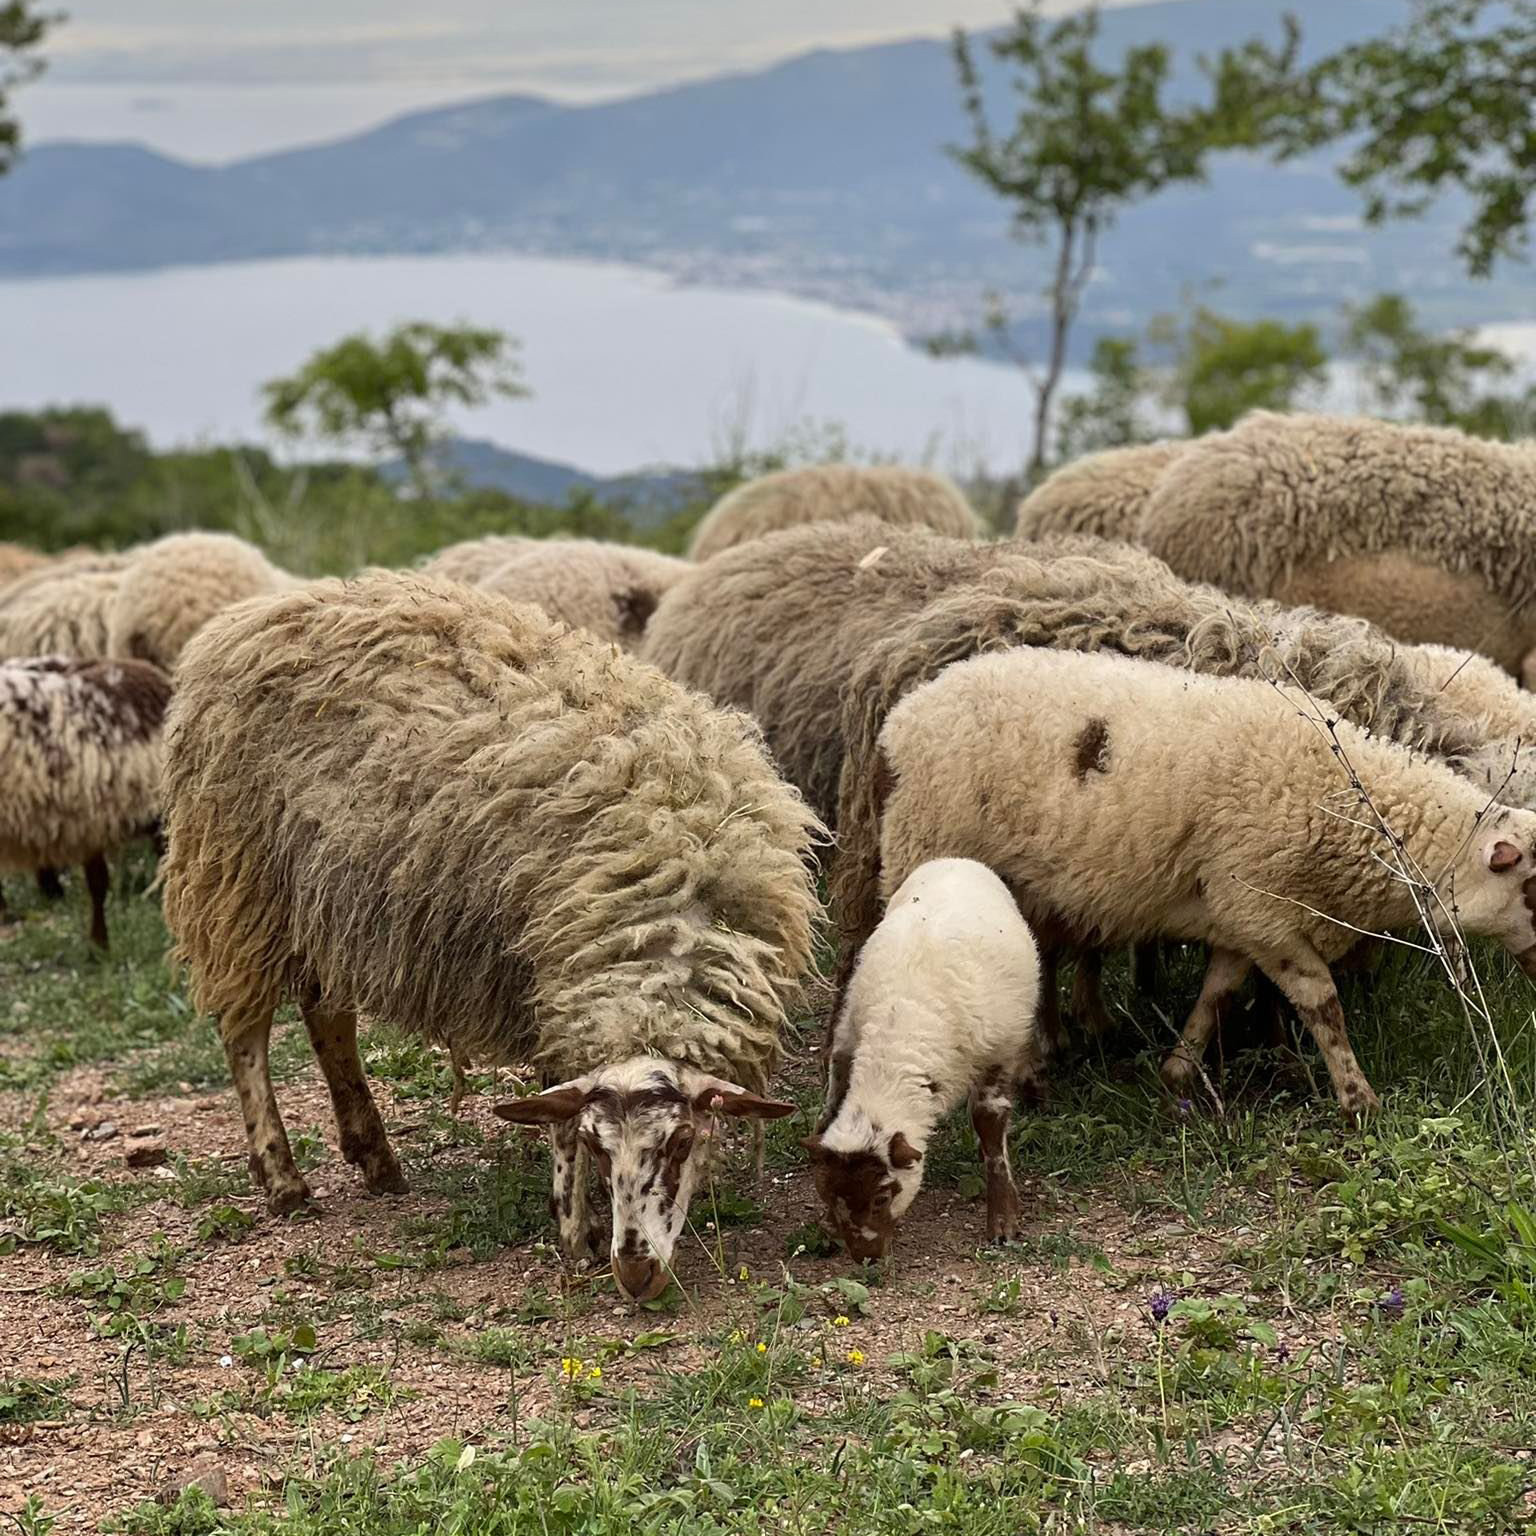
point(823, 175)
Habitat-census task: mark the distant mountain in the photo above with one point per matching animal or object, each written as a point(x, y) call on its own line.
point(824, 175)
point(646, 497)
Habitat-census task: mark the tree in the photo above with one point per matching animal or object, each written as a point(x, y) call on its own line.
point(1087, 141)
point(1442, 102)
point(390, 394)
point(1110, 414)
point(1448, 380)
point(22, 29)
point(1221, 368)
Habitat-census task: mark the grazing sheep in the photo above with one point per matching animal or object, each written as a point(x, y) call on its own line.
point(16, 560)
point(776, 627)
point(941, 1007)
point(1361, 673)
point(176, 584)
point(1103, 493)
point(81, 745)
point(60, 611)
point(833, 493)
point(471, 560)
point(505, 836)
point(609, 590)
point(1122, 800)
point(1425, 531)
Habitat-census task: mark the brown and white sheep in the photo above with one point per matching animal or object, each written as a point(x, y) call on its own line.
point(80, 748)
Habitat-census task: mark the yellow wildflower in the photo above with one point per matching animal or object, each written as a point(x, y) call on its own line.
point(855, 1357)
point(754, 1402)
point(736, 1336)
point(840, 1321)
point(762, 1348)
point(745, 1273)
point(570, 1367)
point(596, 1373)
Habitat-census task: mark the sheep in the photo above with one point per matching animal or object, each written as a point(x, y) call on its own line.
point(16, 560)
point(81, 744)
point(1423, 530)
point(819, 493)
point(777, 626)
point(941, 1007)
point(176, 584)
point(1103, 493)
point(501, 834)
point(1120, 799)
point(609, 590)
point(1361, 673)
point(471, 560)
point(64, 611)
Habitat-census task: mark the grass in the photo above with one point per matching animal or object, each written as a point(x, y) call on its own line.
point(1257, 1321)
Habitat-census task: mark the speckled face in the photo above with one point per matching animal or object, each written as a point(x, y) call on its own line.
point(864, 1194)
point(647, 1126)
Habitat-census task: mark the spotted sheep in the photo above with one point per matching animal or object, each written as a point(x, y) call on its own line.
point(80, 758)
point(455, 814)
point(1121, 800)
point(940, 1008)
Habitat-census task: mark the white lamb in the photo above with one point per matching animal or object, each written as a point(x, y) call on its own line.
point(940, 1007)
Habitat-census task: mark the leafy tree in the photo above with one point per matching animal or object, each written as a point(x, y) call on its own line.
point(22, 28)
point(1447, 380)
point(1441, 102)
point(390, 394)
point(1085, 143)
point(1110, 414)
point(1223, 368)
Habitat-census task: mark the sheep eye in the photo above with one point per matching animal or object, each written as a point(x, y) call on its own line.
point(680, 1142)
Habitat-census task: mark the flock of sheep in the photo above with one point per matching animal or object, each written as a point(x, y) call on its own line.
point(563, 804)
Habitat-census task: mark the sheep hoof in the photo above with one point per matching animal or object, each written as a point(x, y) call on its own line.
point(1178, 1073)
point(1005, 1226)
point(283, 1199)
point(385, 1179)
point(1358, 1103)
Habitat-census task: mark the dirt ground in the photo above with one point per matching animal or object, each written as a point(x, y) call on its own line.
point(138, 1429)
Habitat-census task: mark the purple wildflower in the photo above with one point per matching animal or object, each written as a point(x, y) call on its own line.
point(1391, 1305)
point(1282, 1352)
point(1160, 1305)
point(1184, 1108)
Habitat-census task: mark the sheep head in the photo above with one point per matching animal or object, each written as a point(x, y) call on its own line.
point(647, 1124)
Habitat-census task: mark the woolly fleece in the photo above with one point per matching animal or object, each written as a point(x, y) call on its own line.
point(1103, 494)
point(1426, 531)
point(609, 590)
point(440, 808)
point(903, 498)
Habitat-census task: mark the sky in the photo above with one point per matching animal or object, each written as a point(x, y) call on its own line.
point(210, 80)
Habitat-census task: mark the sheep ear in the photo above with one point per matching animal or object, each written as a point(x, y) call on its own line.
point(1503, 856)
point(714, 1093)
point(903, 1153)
point(547, 1108)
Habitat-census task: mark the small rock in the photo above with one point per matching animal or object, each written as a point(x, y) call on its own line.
point(145, 1130)
point(103, 1132)
point(146, 1152)
point(86, 1118)
point(203, 1473)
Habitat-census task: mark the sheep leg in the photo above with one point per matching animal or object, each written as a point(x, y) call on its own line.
point(1224, 974)
point(1048, 1020)
point(1145, 963)
point(1306, 980)
point(49, 886)
point(569, 1201)
point(97, 882)
point(460, 1064)
point(364, 1144)
point(1088, 993)
point(272, 1165)
point(991, 1104)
